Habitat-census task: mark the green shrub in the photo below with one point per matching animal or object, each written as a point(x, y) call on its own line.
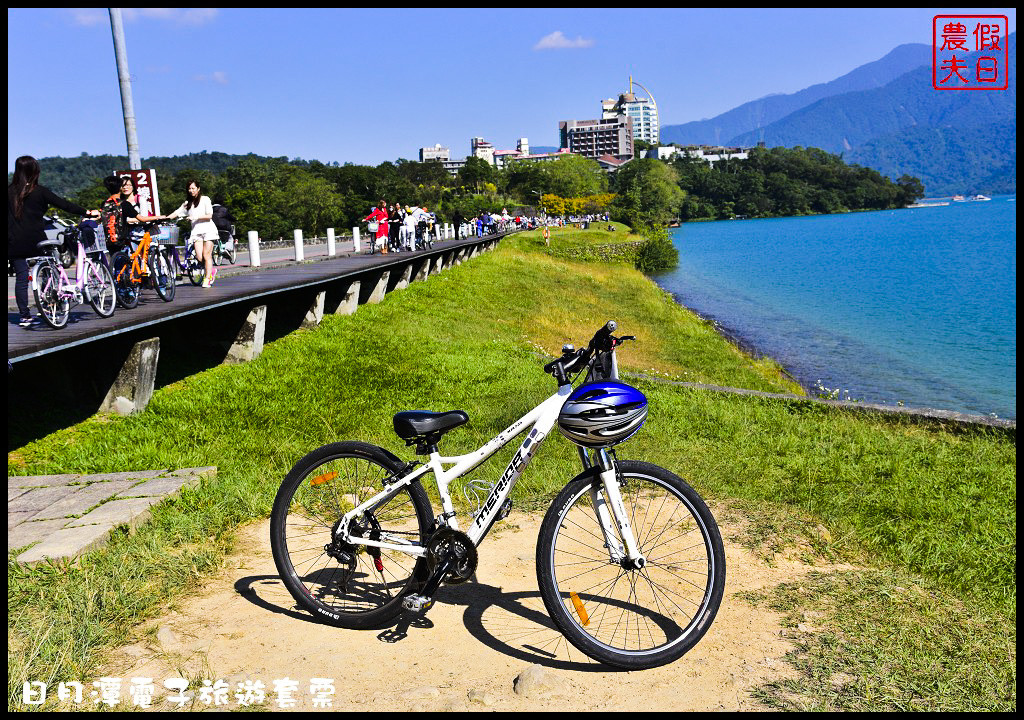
point(656, 253)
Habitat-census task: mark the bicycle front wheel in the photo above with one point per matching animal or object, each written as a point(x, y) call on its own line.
point(100, 287)
point(347, 584)
point(54, 306)
point(196, 271)
point(163, 279)
point(626, 617)
point(126, 287)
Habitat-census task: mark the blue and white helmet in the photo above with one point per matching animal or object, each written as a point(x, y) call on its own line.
point(602, 414)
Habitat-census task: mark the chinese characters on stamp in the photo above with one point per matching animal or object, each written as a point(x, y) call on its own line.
point(970, 52)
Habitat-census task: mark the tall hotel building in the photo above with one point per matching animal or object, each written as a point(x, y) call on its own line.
point(642, 111)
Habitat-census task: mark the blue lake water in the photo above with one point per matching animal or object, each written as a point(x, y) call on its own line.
point(917, 306)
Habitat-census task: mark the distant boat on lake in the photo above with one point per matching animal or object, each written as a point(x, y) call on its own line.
point(959, 198)
point(980, 198)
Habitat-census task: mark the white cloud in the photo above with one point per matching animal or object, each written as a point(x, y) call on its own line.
point(217, 76)
point(179, 16)
point(89, 17)
point(558, 41)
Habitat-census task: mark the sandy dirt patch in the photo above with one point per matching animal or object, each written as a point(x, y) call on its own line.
point(465, 654)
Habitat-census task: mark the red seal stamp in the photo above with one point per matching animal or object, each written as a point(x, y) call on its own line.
point(970, 52)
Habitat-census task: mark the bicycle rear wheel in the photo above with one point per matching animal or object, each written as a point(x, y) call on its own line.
point(163, 279)
point(624, 617)
point(126, 286)
point(100, 288)
point(54, 307)
point(346, 584)
point(232, 254)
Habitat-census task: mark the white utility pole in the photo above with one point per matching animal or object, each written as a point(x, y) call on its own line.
point(134, 160)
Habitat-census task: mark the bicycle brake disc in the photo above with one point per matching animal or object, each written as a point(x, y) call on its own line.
point(447, 543)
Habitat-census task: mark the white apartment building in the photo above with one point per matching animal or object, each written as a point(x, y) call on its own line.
point(482, 149)
point(435, 153)
point(708, 153)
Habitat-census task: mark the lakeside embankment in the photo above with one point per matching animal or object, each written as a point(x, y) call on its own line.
point(924, 611)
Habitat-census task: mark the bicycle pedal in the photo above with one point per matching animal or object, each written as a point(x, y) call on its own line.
point(417, 603)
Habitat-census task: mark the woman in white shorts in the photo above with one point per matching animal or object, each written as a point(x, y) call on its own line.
point(199, 209)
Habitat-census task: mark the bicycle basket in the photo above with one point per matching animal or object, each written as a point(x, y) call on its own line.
point(93, 238)
point(371, 226)
point(168, 235)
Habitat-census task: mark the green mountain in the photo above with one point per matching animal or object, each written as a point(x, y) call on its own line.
point(68, 176)
point(756, 114)
point(949, 160)
point(955, 141)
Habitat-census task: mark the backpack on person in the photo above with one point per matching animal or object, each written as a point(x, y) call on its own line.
point(110, 216)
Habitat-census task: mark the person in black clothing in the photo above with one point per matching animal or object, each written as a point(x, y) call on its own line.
point(457, 221)
point(27, 202)
point(222, 217)
point(394, 225)
point(128, 212)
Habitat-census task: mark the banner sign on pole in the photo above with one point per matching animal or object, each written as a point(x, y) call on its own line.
point(146, 190)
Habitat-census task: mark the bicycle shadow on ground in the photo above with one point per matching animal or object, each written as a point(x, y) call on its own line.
point(516, 624)
point(512, 623)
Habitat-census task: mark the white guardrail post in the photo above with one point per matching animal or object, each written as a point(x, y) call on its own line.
point(355, 239)
point(330, 242)
point(298, 246)
point(254, 248)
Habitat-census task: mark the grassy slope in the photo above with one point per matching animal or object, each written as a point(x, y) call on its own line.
point(919, 500)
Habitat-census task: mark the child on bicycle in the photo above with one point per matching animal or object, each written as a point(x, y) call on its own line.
point(199, 209)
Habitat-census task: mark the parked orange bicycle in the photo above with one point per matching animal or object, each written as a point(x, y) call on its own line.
point(131, 270)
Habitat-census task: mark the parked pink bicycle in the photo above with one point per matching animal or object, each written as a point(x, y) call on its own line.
point(56, 294)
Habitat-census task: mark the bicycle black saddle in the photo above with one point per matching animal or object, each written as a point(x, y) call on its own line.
point(419, 423)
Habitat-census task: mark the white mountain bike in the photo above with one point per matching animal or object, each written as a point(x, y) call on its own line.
point(630, 562)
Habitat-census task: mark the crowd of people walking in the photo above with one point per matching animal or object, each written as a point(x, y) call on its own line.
point(392, 227)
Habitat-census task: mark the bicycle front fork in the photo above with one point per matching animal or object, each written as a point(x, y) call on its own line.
point(612, 517)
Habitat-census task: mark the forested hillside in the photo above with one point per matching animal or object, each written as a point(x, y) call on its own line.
point(752, 116)
point(69, 176)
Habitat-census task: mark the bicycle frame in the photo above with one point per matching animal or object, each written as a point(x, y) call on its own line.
point(542, 418)
point(65, 288)
point(137, 267)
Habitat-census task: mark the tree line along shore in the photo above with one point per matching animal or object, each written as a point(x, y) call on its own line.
point(276, 195)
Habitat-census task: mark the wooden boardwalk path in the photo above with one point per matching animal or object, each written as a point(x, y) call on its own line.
point(243, 286)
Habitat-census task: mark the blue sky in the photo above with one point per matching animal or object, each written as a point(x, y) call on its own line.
point(365, 86)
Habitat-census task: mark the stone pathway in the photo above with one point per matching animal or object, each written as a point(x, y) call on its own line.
point(68, 515)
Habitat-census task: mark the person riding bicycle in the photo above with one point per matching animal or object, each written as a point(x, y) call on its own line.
point(199, 209)
point(224, 220)
point(27, 202)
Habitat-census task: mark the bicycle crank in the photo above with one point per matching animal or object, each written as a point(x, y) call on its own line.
point(455, 549)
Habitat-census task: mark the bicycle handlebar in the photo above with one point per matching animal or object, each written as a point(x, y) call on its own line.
point(602, 338)
point(602, 342)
